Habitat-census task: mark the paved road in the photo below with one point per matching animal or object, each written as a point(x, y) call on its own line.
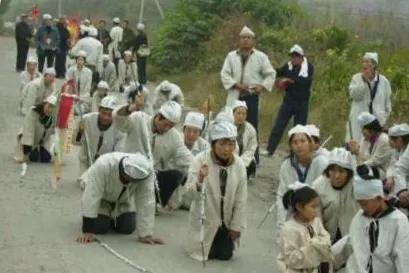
point(38, 227)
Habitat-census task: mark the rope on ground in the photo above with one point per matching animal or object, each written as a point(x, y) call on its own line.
point(122, 258)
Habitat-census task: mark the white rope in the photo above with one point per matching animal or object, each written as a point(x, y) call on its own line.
point(122, 258)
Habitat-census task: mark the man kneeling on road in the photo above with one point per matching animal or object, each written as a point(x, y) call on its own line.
point(119, 188)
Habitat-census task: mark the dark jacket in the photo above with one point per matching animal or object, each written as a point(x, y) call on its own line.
point(301, 89)
point(64, 37)
point(140, 39)
point(47, 32)
point(103, 36)
point(23, 33)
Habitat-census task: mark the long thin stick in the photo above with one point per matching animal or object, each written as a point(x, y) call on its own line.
point(122, 258)
point(202, 221)
point(269, 211)
point(326, 141)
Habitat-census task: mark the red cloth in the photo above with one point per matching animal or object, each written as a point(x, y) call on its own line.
point(65, 106)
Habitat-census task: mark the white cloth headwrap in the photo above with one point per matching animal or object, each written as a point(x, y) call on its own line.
point(299, 129)
point(297, 185)
point(223, 129)
point(194, 119)
point(137, 166)
point(109, 102)
point(371, 56)
point(172, 111)
point(367, 189)
point(365, 118)
point(342, 158)
point(304, 68)
point(314, 130)
point(247, 31)
point(399, 130)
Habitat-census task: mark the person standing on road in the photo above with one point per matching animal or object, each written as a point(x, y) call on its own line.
point(220, 176)
point(31, 73)
point(108, 73)
point(48, 42)
point(103, 35)
point(33, 140)
point(119, 195)
point(369, 92)
point(38, 90)
point(246, 74)
point(295, 77)
point(141, 51)
point(61, 56)
point(116, 38)
point(23, 34)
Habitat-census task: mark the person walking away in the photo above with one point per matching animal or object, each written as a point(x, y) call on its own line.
point(61, 55)
point(295, 77)
point(141, 51)
point(48, 42)
point(23, 34)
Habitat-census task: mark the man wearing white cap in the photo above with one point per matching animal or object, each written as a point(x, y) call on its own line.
point(295, 77)
point(94, 50)
point(155, 136)
point(246, 74)
point(127, 71)
point(302, 165)
point(192, 128)
point(141, 50)
point(217, 184)
point(246, 137)
point(167, 91)
point(38, 90)
point(98, 134)
point(48, 41)
point(100, 93)
point(23, 34)
point(373, 153)
point(82, 76)
point(116, 38)
point(379, 234)
point(33, 140)
point(369, 92)
point(108, 73)
point(119, 195)
point(397, 175)
point(335, 189)
point(31, 73)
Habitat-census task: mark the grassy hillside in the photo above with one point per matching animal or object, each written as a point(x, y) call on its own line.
point(334, 52)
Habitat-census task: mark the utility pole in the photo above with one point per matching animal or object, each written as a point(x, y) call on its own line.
point(141, 10)
point(59, 8)
point(162, 15)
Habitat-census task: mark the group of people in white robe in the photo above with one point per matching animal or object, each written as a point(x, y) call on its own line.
point(342, 210)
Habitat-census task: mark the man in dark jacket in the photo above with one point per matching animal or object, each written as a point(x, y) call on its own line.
point(23, 35)
point(141, 40)
point(61, 56)
point(128, 37)
point(295, 77)
point(48, 42)
point(103, 35)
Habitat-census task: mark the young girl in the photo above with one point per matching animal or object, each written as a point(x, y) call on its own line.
point(306, 245)
point(302, 165)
